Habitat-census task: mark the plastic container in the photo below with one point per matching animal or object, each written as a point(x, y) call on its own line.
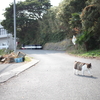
point(18, 60)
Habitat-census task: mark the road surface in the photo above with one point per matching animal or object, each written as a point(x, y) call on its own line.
point(53, 79)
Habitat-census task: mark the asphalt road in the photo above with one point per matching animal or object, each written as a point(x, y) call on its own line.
point(53, 79)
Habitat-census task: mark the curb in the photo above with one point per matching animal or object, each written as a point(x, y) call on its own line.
point(9, 74)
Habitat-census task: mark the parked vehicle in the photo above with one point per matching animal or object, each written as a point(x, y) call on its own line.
point(32, 47)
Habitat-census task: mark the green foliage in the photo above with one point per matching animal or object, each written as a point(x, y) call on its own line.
point(83, 37)
point(92, 53)
point(54, 37)
point(77, 5)
point(89, 2)
point(39, 23)
point(90, 24)
point(50, 28)
point(2, 51)
point(75, 20)
point(69, 14)
point(27, 15)
point(5, 51)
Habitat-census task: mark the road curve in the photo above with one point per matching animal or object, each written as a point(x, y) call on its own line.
point(53, 79)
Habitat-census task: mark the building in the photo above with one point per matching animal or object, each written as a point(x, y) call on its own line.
point(6, 39)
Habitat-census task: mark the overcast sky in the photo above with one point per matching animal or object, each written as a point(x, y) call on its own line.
point(5, 3)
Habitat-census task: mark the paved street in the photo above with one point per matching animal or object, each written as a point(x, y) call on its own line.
point(53, 79)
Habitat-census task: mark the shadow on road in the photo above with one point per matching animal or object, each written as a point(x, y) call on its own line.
point(87, 76)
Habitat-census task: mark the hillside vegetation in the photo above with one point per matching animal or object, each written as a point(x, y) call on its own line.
point(38, 22)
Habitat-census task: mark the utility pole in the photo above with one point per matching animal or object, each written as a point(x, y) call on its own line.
point(14, 12)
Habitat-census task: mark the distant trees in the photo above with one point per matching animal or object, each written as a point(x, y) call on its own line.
point(69, 14)
point(82, 18)
point(51, 29)
point(59, 22)
point(90, 18)
point(27, 15)
point(39, 23)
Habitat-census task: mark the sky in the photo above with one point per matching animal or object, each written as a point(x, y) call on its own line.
point(5, 3)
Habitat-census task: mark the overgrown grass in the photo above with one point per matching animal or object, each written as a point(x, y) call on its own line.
point(92, 53)
point(5, 51)
point(28, 59)
point(2, 52)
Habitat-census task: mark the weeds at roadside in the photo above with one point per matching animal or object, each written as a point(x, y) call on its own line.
point(91, 54)
point(5, 51)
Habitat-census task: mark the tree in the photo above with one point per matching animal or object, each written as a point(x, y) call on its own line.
point(75, 20)
point(27, 15)
point(90, 24)
point(50, 28)
point(69, 14)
